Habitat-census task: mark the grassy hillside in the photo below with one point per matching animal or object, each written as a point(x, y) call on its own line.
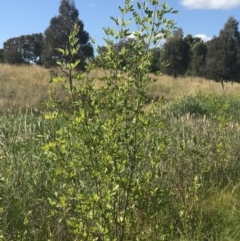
point(22, 86)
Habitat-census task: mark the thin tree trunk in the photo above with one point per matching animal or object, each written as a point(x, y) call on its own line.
point(70, 80)
point(222, 84)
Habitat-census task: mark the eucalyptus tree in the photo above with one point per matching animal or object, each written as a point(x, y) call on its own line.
point(198, 59)
point(214, 65)
point(155, 64)
point(1, 56)
point(175, 54)
point(229, 38)
point(222, 62)
point(56, 36)
point(25, 49)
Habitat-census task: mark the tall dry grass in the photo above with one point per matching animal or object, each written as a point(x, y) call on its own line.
point(22, 86)
point(171, 88)
point(26, 86)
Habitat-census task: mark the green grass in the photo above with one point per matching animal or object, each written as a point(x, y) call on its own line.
point(199, 164)
point(206, 105)
point(199, 182)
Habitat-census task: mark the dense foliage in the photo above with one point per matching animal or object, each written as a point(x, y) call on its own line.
point(223, 54)
point(198, 160)
point(176, 54)
point(25, 49)
point(1, 56)
point(198, 59)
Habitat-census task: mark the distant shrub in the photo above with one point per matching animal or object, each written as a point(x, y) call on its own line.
point(206, 105)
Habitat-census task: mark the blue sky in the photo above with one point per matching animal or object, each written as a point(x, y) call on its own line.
point(20, 17)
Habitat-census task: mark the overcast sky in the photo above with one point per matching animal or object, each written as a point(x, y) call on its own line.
point(204, 18)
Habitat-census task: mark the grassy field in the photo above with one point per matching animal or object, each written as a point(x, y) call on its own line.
point(198, 161)
point(27, 86)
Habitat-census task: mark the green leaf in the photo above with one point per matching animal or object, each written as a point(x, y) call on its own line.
point(116, 188)
point(62, 51)
point(59, 79)
point(96, 197)
point(116, 20)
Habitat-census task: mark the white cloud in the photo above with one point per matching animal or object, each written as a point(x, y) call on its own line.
point(211, 4)
point(204, 37)
point(132, 36)
point(160, 43)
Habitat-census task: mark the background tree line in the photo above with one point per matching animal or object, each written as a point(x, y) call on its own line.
point(40, 48)
point(217, 59)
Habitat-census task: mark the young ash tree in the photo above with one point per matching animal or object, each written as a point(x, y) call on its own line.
point(106, 178)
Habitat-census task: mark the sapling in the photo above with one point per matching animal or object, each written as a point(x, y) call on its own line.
point(106, 178)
